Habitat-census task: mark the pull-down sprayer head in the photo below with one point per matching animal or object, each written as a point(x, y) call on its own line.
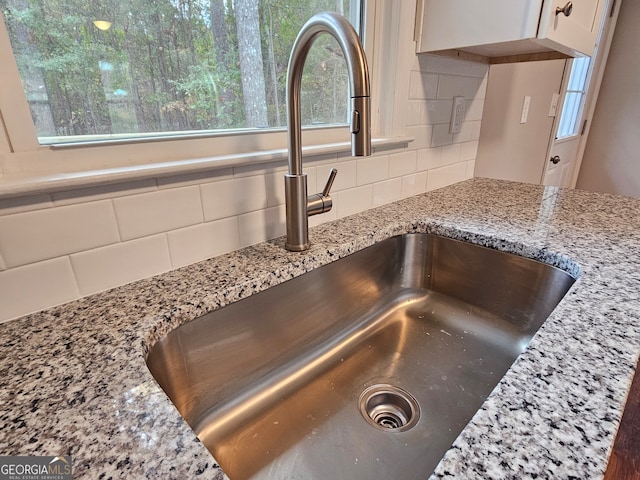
point(360, 118)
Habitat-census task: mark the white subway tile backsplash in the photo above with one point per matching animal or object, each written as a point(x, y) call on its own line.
point(468, 150)
point(475, 134)
point(482, 89)
point(450, 86)
point(346, 178)
point(474, 109)
point(401, 164)
point(429, 158)
point(415, 113)
point(386, 192)
point(275, 188)
point(414, 184)
point(312, 180)
point(448, 175)
point(429, 112)
point(103, 268)
point(192, 244)
point(159, 211)
point(92, 194)
point(354, 200)
point(327, 216)
point(256, 227)
point(466, 133)
point(9, 206)
point(324, 159)
point(441, 135)
point(233, 197)
point(450, 154)
point(421, 136)
point(471, 165)
point(438, 111)
point(423, 85)
point(372, 169)
point(44, 234)
point(33, 287)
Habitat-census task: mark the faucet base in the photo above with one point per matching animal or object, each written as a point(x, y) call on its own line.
point(295, 192)
point(296, 248)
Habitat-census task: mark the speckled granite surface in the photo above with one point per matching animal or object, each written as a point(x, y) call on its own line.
point(74, 379)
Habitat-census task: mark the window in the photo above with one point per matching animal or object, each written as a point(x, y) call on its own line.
point(574, 97)
point(113, 69)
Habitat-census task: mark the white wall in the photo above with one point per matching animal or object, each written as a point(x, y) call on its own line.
point(62, 246)
point(509, 149)
point(611, 161)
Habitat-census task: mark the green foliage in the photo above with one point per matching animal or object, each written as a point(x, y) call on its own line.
point(156, 68)
point(204, 89)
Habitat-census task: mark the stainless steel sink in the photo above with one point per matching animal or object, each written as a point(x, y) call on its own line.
point(366, 368)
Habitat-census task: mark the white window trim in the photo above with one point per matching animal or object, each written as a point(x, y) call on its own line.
point(26, 167)
point(16, 184)
point(579, 117)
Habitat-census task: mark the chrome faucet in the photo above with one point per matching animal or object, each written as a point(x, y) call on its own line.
point(300, 206)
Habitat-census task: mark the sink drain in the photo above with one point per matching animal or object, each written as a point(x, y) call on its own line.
point(389, 408)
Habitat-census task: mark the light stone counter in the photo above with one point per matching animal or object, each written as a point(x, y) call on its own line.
point(74, 379)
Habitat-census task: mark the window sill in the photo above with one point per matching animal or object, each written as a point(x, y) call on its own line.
point(20, 184)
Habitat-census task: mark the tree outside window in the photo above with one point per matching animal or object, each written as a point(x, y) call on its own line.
point(113, 69)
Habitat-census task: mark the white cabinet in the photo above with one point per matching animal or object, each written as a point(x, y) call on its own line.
point(500, 28)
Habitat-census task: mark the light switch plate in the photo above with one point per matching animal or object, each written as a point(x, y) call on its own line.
point(553, 109)
point(525, 109)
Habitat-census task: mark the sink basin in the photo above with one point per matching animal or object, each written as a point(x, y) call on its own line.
point(366, 368)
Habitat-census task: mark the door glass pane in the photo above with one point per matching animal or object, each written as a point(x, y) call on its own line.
point(108, 69)
point(574, 98)
point(579, 72)
point(570, 110)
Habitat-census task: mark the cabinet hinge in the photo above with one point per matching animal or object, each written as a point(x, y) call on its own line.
point(613, 8)
point(584, 126)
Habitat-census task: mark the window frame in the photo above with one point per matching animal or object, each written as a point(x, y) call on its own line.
point(577, 114)
point(26, 166)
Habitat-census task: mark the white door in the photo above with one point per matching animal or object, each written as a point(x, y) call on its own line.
point(561, 161)
point(567, 130)
point(579, 92)
point(516, 126)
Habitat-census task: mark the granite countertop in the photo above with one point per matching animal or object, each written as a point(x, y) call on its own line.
point(74, 379)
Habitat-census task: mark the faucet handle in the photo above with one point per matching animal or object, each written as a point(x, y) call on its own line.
point(332, 177)
point(321, 202)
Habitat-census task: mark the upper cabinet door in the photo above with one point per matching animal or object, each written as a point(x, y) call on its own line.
point(571, 27)
point(502, 28)
point(475, 25)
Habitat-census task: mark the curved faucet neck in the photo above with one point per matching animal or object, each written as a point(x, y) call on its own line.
point(347, 38)
point(298, 204)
